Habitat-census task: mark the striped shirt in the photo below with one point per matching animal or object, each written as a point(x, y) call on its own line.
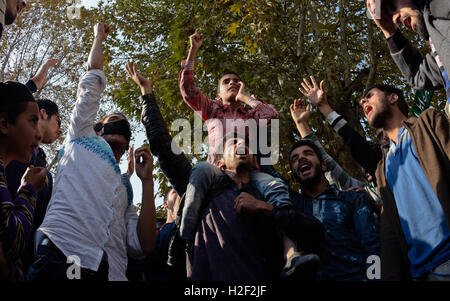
point(16, 218)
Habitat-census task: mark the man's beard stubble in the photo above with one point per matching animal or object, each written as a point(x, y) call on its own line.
point(379, 119)
point(243, 167)
point(421, 28)
point(312, 180)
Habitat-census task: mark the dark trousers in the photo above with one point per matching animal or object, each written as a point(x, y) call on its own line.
point(51, 264)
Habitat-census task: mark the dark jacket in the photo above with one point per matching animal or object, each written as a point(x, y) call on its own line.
point(422, 72)
point(366, 153)
point(430, 136)
point(177, 167)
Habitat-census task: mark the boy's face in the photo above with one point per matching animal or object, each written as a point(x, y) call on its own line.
point(229, 87)
point(23, 136)
point(50, 127)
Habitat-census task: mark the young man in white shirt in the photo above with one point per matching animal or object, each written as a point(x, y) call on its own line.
point(90, 219)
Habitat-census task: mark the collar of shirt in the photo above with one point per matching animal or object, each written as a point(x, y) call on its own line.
point(224, 107)
point(332, 190)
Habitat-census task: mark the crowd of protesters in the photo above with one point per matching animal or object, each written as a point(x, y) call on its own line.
point(232, 217)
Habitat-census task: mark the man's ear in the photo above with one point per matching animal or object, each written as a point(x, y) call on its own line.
point(165, 204)
point(324, 167)
point(221, 165)
point(3, 124)
point(393, 98)
point(43, 114)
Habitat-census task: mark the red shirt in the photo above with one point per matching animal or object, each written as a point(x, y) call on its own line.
point(216, 114)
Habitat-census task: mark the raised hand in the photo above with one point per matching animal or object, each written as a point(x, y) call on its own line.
point(130, 169)
point(101, 31)
point(144, 164)
point(196, 41)
point(316, 95)
point(299, 111)
point(242, 95)
point(41, 76)
point(144, 84)
point(96, 59)
point(382, 18)
point(35, 176)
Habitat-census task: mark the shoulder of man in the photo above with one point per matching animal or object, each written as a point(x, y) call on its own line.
point(428, 118)
point(440, 9)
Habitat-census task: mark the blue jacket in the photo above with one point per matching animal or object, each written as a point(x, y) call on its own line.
point(351, 231)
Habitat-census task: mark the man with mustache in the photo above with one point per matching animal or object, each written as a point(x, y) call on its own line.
point(351, 230)
point(428, 18)
point(413, 182)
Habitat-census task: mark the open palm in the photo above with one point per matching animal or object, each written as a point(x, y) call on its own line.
point(299, 111)
point(144, 84)
point(315, 94)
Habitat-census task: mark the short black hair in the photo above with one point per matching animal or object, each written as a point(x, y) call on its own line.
point(102, 120)
point(170, 205)
point(225, 73)
point(309, 143)
point(14, 98)
point(388, 90)
point(49, 106)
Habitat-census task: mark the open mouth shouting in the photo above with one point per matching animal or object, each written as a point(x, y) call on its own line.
point(367, 110)
point(304, 167)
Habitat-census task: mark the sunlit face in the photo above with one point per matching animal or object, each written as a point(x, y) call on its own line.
point(13, 9)
point(236, 154)
point(306, 165)
point(23, 136)
point(375, 107)
point(50, 127)
point(229, 87)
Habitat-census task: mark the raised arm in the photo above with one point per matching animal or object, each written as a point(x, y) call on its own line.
point(146, 226)
point(422, 72)
point(174, 164)
point(96, 59)
point(40, 78)
point(90, 88)
point(192, 96)
point(362, 151)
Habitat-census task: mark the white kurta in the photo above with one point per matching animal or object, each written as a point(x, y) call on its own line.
point(88, 213)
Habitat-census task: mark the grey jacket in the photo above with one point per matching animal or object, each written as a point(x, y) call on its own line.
point(422, 72)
